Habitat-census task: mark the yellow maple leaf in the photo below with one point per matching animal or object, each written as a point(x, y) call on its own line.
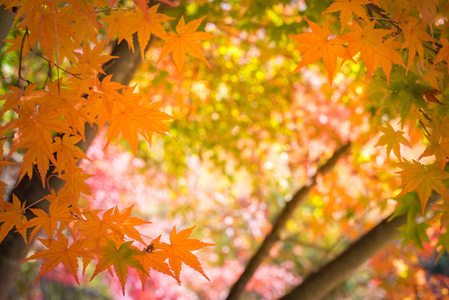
point(347, 8)
point(185, 41)
point(393, 139)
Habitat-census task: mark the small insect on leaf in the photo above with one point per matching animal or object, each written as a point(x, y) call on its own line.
point(149, 248)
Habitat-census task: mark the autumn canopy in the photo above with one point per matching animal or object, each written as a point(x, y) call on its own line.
point(285, 132)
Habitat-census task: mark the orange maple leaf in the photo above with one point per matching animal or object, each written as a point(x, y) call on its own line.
point(414, 36)
point(121, 22)
point(393, 139)
point(179, 251)
point(47, 222)
point(12, 215)
point(57, 252)
point(127, 223)
point(444, 208)
point(91, 59)
point(34, 156)
point(132, 118)
point(120, 258)
point(368, 41)
point(347, 8)
point(319, 44)
point(185, 41)
point(75, 182)
point(67, 153)
point(153, 259)
point(443, 54)
point(392, 56)
point(94, 228)
point(149, 22)
point(423, 179)
point(439, 147)
point(27, 99)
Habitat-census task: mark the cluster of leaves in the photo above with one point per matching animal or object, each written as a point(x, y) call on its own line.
point(409, 42)
point(50, 122)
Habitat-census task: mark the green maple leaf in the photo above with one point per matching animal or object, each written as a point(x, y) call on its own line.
point(415, 233)
point(120, 258)
point(406, 93)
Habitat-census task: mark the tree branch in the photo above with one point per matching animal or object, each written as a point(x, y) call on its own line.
point(274, 236)
point(319, 284)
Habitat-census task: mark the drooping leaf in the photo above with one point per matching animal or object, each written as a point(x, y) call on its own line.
point(179, 251)
point(59, 252)
point(120, 259)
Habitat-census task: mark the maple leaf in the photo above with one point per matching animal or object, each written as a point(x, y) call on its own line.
point(121, 22)
point(132, 118)
point(47, 222)
point(34, 156)
point(155, 260)
point(69, 104)
point(439, 147)
point(67, 153)
point(107, 91)
point(415, 34)
point(35, 127)
point(416, 233)
point(59, 252)
point(347, 8)
point(120, 258)
point(443, 54)
point(393, 139)
point(423, 179)
point(367, 40)
point(185, 41)
point(27, 99)
point(179, 251)
point(149, 22)
point(12, 215)
point(444, 208)
point(127, 223)
point(386, 61)
point(319, 44)
point(94, 228)
point(91, 59)
point(75, 182)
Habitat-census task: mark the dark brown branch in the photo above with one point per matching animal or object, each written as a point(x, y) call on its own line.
point(274, 236)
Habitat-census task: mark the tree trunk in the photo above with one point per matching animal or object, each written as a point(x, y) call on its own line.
point(6, 21)
point(274, 236)
point(12, 248)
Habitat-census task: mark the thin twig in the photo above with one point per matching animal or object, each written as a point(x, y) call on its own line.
point(60, 68)
point(20, 59)
point(57, 50)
